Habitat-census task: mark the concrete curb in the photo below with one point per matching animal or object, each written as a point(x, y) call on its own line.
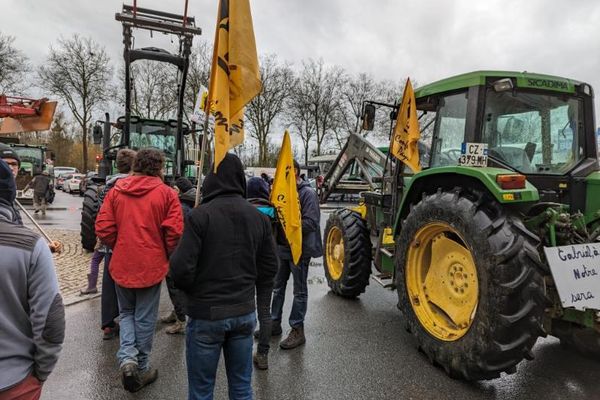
point(71, 300)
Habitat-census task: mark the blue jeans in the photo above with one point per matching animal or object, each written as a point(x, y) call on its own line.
point(300, 274)
point(204, 341)
point(138, 309)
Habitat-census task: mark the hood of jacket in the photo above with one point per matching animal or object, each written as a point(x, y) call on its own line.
point(189, 196)
point(8, 213)
point(138, 185)
point(258, 188)
point(302, 184)
point(229, 180)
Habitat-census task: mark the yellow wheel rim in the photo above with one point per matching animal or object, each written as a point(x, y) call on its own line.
point(335, 253)
point(441, 281)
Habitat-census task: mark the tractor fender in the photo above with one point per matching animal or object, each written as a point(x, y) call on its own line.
point(484, 179)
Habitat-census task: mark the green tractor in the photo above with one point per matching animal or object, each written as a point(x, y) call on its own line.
point(130, 131)
point(494, 243)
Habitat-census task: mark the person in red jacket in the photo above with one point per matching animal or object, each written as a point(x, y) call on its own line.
point(141, 220)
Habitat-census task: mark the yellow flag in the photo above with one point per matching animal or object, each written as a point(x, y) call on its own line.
point(405, 141)
point(284, 197)
point(234, 75)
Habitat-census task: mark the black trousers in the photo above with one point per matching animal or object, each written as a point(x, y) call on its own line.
point(109, 303)
point(177, 298)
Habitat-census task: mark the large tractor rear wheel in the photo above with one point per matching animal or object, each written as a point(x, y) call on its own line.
point(347, 259)
point(89, 211)
point(469, 284)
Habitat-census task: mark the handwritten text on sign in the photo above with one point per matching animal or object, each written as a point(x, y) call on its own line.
point(473, 155)
point(576, 272)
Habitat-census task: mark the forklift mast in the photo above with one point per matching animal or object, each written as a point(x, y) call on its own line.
point(184, 28)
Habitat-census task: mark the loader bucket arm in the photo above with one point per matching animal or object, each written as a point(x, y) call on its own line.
point(357, 153)
point(25, 116)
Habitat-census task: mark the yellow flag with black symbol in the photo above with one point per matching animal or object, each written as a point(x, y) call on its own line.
point(284, 197)
point(405, 140)
point(234, 75)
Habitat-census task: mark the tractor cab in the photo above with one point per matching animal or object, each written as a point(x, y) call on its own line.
point(538, 126)
point(143, 133)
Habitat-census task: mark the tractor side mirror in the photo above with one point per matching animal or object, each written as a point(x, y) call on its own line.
point(368, 117)
point(111, 155)
point(97, 134)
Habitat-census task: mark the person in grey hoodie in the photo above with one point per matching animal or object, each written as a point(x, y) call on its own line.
point(32, 315)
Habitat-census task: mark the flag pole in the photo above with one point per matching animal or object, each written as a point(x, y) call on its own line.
point(34, 222)
point(202, 152)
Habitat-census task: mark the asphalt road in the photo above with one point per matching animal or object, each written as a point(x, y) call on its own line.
point(356, 349)
point(63, 213)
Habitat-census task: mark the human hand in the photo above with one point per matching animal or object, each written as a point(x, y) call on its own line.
point(55, 247)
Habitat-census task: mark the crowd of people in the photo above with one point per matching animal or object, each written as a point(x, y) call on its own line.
point(224, 262)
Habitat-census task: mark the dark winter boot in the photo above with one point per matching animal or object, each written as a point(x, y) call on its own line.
point(146, 378)
point(294, 339)
point(261, 360)
point(129, 377)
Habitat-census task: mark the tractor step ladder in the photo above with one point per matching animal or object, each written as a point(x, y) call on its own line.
point(384, 279)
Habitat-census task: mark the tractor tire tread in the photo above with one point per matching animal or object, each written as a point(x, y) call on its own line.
point(509, 317)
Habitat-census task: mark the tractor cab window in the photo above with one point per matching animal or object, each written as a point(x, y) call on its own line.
point(532, 132)
point(32, 160)
point(154, 136)
point(449, 131)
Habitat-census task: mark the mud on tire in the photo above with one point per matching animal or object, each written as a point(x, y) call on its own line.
point(508, 317)
point(356, 254)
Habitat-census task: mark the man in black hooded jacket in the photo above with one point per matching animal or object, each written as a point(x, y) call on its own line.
point(226, 255)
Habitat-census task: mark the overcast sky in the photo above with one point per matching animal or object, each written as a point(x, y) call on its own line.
point(390, 39)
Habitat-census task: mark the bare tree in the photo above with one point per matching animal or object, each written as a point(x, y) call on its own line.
point(277, 80)
point(13, 67)
point(153, 90)
point(198, 72)
point(299, 114)
point(79, 72)
point(355, 91)
point(322, 89)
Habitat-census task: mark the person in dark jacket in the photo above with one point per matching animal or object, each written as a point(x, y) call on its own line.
point(41, 186)
point(141, 221)
point(187, 198)
point(32, 315)
point(258, 192)
point(187, 194)
point(226, 256)
point(311, 247)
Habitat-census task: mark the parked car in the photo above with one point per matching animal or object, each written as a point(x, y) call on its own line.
point(84, 182)
point(60, 180)
point(71, 184)
point(62, 172)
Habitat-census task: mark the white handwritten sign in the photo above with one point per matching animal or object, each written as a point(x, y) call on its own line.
point(576, 272)
point(473, 155)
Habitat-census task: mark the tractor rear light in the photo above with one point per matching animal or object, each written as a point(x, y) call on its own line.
point(513, 181)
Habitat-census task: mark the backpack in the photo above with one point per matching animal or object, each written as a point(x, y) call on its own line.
point(265, 207)
point(50, 194)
